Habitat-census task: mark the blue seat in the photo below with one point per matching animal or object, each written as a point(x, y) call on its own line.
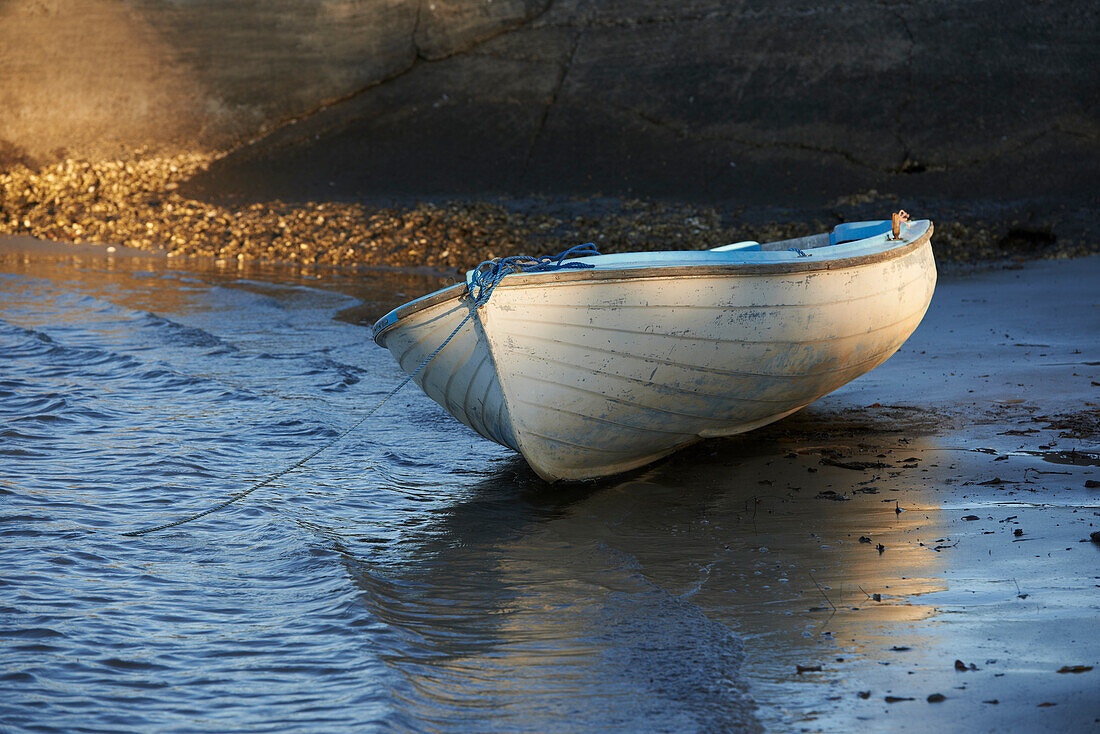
point(852, 231)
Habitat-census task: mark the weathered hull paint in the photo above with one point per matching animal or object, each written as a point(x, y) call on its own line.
point(588, 376)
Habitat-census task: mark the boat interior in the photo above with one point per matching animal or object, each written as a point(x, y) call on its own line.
point(845, 241)
point(851, 239)
point(841, 234)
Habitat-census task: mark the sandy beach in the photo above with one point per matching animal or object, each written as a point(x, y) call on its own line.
point(943, 505)
point(938, 509)
point(909, 553)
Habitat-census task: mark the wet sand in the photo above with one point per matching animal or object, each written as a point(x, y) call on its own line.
point(933, 514)
point(936, 510)
point(925, 514)
point(910, 553)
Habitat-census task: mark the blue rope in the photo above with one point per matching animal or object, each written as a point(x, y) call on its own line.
point(487, 276)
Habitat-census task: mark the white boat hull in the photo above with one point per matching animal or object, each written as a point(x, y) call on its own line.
point(588, 375)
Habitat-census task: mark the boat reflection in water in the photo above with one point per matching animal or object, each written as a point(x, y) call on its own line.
point(675, 596)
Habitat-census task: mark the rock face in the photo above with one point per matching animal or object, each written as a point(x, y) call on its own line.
point(793, 102)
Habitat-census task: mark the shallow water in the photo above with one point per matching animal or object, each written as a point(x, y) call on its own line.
point(415, 577)
point(412, 577)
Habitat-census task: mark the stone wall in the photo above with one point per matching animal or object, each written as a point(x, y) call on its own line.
point(790, 102)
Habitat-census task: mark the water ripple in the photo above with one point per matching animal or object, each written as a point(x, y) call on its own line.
point(400, 581)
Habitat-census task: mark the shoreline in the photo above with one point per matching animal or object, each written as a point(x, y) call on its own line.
point(24, 244)
point(970, 457)
point(16, 245)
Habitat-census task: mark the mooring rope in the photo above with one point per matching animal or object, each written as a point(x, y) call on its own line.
point(484, 279)
point(486, 276)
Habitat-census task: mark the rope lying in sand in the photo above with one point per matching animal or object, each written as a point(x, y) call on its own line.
point(484, 279)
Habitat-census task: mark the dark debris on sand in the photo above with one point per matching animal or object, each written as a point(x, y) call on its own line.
point(1081, 424)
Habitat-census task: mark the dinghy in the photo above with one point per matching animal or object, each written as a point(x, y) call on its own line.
point(599, 364)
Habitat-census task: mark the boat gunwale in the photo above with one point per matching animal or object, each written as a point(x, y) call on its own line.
point(801, 265)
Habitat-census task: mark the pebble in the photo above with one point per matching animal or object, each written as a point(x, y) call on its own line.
point(134, 201)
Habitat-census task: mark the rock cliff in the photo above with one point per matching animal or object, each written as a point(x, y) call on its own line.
point(747, 103)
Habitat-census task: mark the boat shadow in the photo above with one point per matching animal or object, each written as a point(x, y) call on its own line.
point(536, 592)
point(514, 502)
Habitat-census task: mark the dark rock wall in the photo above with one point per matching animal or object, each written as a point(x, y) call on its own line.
point(784, 102)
